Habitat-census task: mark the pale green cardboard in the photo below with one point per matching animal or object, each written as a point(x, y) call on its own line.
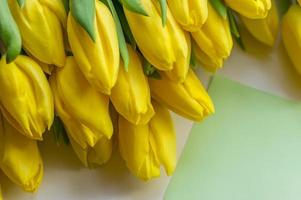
point(249, 150)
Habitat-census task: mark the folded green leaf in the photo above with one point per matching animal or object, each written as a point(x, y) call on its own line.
point(121, 40)
point(192, 59)
point(234, 29)
point(219, 7)
point(150, 70)
point(83, 12)
point(125, 26)
point(283, 6)
point(9, 32)
point(59, 131)
point(163, 6)
point(135, 6)
point(66, 5)
point(21, 3)
point(233, 24)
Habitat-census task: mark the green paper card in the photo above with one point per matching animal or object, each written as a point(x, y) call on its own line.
point(249, 150)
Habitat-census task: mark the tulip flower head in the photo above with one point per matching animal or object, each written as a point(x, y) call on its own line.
point(253, 9)
point(131, 95)
point(191, 14)
point(26, 100)
point(98, 60)
point(264, 30)
point(83, 110)
point(20, 157)
point(165, 47)
point(188, 99)
point(214, 39)
point(145, 147)
point(41, 29)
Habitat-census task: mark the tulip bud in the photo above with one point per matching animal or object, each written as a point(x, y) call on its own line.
point(291, 34)
point(20, 158)
point(58, 8)
point(83, 110)
point(253, 9)
point(208, 63)
point(98, 60)
point(94, 156)
point(131, 95)
point(190, 14)
point(145, 147)
point(265, 30)
point(165, 47)
point(214, 38)
point(25, 98)
point(188, 99)
point(40, 28)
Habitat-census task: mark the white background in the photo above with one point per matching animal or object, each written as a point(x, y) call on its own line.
point(65, 177)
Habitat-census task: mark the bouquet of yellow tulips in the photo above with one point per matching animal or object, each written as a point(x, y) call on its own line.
point(93, 71)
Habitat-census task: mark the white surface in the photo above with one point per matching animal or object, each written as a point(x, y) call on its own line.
point(65, 178)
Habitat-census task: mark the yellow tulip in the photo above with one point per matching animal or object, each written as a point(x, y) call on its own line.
point(190, 14)
point(253, 9)
point(210, 64)
point(145, 147)
point(291, 34)
point(57, 7)
point(83, 110)
point(99, 154)
point(299, 1)
point(165, 47)
point(98, 60)
point(25, 98)
point(188, 99)
point(20, 158)
point(131, 95)
point(214, 38)
point(265, 30)
point(41, 30)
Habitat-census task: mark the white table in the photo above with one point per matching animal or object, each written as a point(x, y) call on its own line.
point(65, 178)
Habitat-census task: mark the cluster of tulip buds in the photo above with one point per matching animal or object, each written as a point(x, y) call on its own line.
point(97, 71)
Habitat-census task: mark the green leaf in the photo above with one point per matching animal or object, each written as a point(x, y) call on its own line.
point(192, 59)
point(134, 6)
point(83, 12)
point(59, 131)
point(21, 3)
point(9, 32)
point(150, 70)
point(66, 5)
point(163, 6)
point(233, 24)
point(219, 6)
point(121, 40)
point(283, 6)
point(234, 29)
point(125, 26)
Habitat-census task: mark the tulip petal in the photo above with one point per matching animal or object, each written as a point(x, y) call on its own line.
point(191, 14)
point(99, 60)
point(131, 95)
point(25, 98)
point(83, 110)
point(188, 99)
point(145, 147)
point(20, 158)
point(41, 31)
